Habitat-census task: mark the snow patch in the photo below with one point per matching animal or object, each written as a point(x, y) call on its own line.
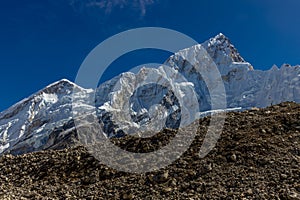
point(40, 129)
point(3, 147)
point(50, 98)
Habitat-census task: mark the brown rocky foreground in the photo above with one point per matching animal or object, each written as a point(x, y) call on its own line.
point(257, 157)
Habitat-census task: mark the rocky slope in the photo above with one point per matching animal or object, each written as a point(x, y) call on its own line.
point(257, 157)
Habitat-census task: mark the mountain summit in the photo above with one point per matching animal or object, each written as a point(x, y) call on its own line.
point(45, 121)
point(221, 45)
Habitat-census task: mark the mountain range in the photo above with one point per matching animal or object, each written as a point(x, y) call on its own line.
point(45, 119)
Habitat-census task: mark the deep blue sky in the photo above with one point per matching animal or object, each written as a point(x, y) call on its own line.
point(42, 41)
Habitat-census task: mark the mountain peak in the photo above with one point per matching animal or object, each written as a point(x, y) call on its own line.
point(221, 51)
point(221, 36)
point(61, 82)
point(220, 47)
point(61, 86)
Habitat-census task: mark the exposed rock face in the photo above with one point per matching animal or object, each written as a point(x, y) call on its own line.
point(152, 99)
point(257, 157)
point(149, 100)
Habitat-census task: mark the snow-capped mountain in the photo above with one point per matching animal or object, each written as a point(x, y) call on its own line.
point(34, 122)
point(45, 120)
point(245, 87)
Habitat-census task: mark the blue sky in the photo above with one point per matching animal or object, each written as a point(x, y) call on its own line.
point(44, 41)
